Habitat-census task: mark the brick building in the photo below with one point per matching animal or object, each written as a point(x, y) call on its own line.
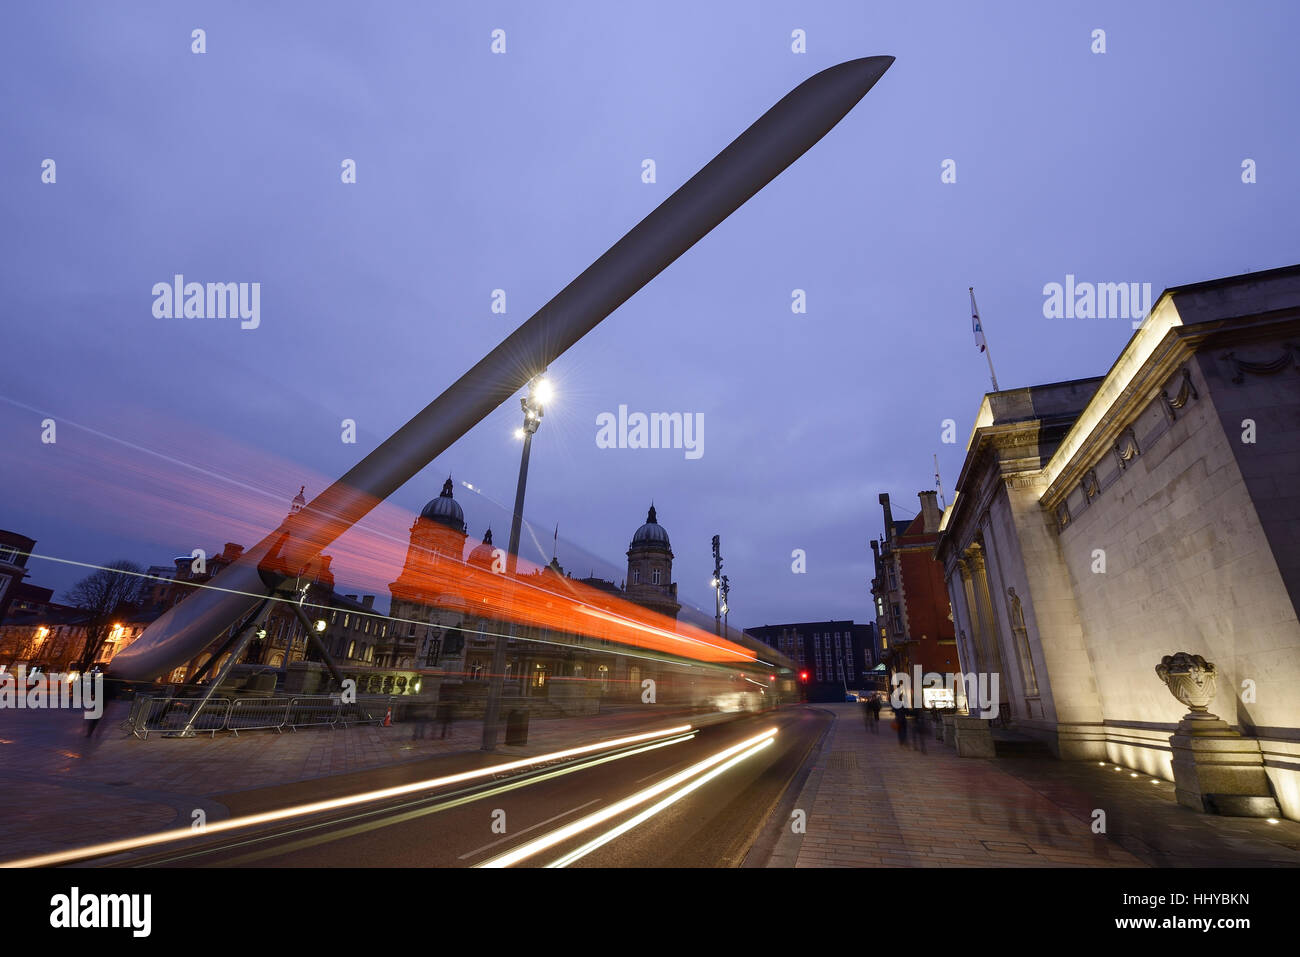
point(914, 616)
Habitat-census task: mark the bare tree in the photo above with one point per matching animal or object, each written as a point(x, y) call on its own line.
point(105, 594)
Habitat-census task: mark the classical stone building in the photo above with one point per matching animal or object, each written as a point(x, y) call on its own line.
point(1102, 524)
point(435, 626)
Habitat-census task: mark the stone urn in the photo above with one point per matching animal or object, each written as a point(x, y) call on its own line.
point(1190, 679)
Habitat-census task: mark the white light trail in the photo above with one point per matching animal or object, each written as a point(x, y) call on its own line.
point(650, 812)
point(591, 820)
point(270, 817)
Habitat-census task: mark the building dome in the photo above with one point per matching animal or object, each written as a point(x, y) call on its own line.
point(482, 553)
point(444, 510)
point(651, 533)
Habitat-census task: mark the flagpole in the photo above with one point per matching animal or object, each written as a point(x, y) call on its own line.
point(988, 353)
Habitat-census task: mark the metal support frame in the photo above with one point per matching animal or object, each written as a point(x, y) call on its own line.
point(757, 156)
point(314, 640)
point(245, 635)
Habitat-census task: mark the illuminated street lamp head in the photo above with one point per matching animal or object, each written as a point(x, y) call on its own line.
point(534, 404)
point(320, 624)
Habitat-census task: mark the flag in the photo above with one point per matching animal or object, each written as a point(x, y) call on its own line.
point(975, 322)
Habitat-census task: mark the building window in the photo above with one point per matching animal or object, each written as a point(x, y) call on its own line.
point(893, 579)
point(898, 619)
point(636, 578)
point(656, 576)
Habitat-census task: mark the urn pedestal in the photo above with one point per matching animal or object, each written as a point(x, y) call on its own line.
point(1216, 769)
point(973, 737)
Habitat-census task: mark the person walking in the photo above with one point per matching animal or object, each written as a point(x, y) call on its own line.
point(919, 730)
point(900, 724)
point(874, 707)
point(446, 715)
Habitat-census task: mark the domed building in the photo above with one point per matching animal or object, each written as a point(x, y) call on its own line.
point(435, 628)
point(485, 553)
point(430, 630)
point(650, 568)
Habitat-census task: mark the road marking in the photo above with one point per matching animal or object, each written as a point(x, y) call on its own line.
point(533, 827)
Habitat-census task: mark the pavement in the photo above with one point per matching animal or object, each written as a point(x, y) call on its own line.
point(869, 803)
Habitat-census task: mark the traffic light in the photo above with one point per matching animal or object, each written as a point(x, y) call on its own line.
point(803, 676)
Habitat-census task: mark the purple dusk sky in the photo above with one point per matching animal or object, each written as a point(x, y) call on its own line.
point(479, 171)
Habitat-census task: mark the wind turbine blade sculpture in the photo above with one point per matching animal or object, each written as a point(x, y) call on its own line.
point(778, 138)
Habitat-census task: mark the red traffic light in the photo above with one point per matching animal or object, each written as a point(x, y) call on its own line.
point(803, 676)
point(771, 677)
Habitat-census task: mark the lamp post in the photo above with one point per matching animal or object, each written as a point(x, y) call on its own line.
point(717, 583)
point(534, 407)
point(726, 590)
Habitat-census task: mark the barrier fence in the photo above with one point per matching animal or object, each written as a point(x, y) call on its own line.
point(162, 715)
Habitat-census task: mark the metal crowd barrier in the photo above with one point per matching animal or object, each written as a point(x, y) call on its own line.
point(258, 714)
point(150, 714)
point(313, 711)
point(369, 709)
point(174, 714)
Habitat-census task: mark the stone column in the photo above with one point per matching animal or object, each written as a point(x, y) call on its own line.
point(1018, 634)
point(980, 658)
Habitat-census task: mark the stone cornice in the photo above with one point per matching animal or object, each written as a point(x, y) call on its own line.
point(1152, 382)
point(1108, 434)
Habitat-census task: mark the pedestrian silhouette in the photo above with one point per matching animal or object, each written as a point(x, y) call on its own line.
point(446, 715)
point(900, 725)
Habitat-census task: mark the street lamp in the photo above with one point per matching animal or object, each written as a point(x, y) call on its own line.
point(533, 405)
point(726, 590)
point(719, 583)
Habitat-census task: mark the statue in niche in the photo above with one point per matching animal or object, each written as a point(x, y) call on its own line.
point(1016, 610)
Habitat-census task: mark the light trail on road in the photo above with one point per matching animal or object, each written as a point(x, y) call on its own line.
point(663, 805)
point(283, 814)
point(560, 835)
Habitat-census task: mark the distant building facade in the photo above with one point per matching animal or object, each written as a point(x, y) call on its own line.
point(14, 552)
point(835, 654)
